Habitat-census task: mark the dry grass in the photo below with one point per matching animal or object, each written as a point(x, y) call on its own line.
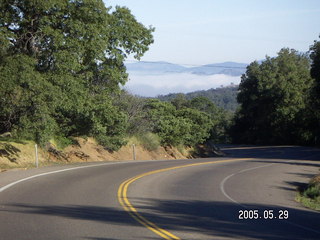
point(22, 154)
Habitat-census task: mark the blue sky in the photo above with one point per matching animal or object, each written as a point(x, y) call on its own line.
point(210, 31)
point(190, 32)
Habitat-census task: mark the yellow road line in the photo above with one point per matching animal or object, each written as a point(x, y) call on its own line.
point(127, 206)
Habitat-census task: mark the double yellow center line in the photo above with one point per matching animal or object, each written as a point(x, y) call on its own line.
point(127, 206)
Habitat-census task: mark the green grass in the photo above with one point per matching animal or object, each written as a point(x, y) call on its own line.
point(62, 142)
point(13, 139)
point(310, 196)
point(149, 141)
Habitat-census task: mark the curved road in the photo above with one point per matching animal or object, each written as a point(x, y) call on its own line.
point(176, 199)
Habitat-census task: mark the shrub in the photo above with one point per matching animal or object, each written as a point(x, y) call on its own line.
point(149, 141)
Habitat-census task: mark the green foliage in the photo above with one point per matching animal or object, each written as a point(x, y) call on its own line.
point(106, 123)
point(149, 141)
point(200, 125)
point(60, 62)
point(181, 122)
point(203, 104)
point(180, 101)
point(310, 196)
point(224, 97)
point(62, 142)
point(220, 118)
point(164, 122)
point(133, 107)
point(313, 191)
point(25, 99)
point(175, 127)
point(273, 97)
point(315, 91)
point(315, 57)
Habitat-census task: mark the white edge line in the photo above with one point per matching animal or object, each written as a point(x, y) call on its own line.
point(47, 173)
point(65, 170)
point(224, 192)
point(230, 198)
point(230, 176)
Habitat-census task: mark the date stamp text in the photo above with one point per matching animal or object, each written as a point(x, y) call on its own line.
point(264, 214)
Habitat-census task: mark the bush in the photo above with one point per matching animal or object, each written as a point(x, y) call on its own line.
point(149, 141)
point(110, 143)
point(185, 126)
point(313, 191)
point(62, 142)
point(310, 196)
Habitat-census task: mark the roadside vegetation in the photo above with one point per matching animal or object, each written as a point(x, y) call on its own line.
point(180, 122)
point(310, 196)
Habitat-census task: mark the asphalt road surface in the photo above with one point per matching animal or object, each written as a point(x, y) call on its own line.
point(176, 199)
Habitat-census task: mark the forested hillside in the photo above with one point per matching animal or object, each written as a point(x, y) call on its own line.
point(224, 97)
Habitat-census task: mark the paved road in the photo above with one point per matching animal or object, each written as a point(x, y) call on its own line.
point(191, 199)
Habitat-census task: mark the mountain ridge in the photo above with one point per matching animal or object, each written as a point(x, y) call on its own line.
point(161, 67)
point(223, 97)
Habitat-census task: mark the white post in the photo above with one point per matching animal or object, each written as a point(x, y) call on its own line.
point(36, 155)
point(134, 151)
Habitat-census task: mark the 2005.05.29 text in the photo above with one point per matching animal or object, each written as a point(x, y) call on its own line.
point(265, 214)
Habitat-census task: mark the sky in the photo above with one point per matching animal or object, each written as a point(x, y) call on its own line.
point(190, 32)
point(211, 31)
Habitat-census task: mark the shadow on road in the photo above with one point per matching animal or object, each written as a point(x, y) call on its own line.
point(295, 185)
point(92, 213)
point(273, 152)
point(221, 219)
point(212, 219)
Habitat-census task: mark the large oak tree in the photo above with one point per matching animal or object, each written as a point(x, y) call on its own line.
point(274, 96)
point(59, 62)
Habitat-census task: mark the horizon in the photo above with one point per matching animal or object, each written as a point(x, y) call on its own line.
point(193, 34)
point(184, 64)
point(149, 82)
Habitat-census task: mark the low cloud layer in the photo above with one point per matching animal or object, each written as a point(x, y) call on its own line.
point(153, 85)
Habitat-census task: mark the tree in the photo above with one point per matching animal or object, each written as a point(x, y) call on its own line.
point(315, 94)
point(133, 107)
point(220, 118)
point(273, 97)
point(224, 98)
point(180, 101)
point(71, 55)
point(185, 126)
point(25, 95)
point(162, 121)
point(200, 125)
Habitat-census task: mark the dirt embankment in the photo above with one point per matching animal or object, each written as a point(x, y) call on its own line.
point(22, 154)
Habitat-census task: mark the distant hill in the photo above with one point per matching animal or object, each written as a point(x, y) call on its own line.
point(226, 68)
point(154, 67)
point(158, 68)
point(224, 97)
